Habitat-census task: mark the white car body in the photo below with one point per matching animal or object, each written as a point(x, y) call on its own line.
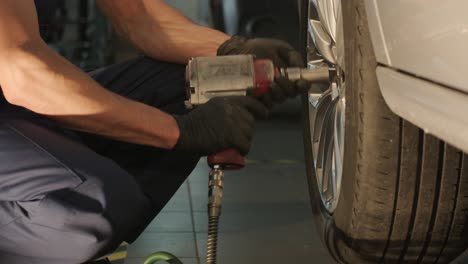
point(422, 50)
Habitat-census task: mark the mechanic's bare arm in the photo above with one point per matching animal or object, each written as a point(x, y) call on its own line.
point(35, 77)
point(160, 31)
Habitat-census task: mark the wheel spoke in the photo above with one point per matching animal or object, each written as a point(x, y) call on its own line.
point(329, 191)
point(339, 136)
point(326, 134)
point(329, 174)
point(319, 104)
point(318, 111)
point(327, 109)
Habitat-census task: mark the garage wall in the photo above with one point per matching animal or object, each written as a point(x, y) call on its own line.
point(191, 8)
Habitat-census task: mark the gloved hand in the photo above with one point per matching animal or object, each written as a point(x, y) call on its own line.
point(220, 124)
point(281, 53)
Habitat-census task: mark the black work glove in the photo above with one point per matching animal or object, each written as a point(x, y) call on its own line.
point(222, 123)
point(281, 53)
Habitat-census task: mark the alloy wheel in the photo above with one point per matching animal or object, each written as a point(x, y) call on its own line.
point(327, 105)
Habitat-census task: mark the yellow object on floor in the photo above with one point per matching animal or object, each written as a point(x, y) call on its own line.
point(119, 256)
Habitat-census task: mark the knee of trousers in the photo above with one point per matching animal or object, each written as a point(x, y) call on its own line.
point(77, 225)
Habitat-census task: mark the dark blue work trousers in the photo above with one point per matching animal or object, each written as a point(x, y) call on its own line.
point(68, 197)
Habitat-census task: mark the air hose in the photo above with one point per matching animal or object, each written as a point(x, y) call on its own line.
point(215, 199)
point(211, 251)
point(216, 184)
point(212, 247)
point(162, 256)
point(226, 160)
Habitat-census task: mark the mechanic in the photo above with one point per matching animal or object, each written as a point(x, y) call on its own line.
point(88, 161)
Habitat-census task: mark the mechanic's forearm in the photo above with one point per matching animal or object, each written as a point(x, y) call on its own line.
point(160, 31)
point(43, 82)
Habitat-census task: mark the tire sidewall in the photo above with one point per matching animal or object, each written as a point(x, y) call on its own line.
point(333, 227)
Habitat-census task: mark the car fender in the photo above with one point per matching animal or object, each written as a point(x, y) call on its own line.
point(422, 51)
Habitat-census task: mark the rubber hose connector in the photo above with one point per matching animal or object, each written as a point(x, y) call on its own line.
point(212, 247)
point(162, 256)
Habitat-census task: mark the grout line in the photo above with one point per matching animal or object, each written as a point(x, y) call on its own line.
point(174, 211)
point(193, 222)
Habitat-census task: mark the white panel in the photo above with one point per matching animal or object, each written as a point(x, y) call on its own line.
point(190, 8)
point(428, 38)
point(377, 35)
point(438, 110)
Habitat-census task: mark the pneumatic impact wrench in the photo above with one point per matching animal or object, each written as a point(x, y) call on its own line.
point(239, 75)
point(209, 77)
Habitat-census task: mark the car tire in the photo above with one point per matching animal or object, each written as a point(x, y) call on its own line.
point(404, 194)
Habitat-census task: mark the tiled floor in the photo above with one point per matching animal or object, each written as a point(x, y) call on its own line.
point(266, 213)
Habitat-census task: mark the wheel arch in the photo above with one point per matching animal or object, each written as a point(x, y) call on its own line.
point(422, 83)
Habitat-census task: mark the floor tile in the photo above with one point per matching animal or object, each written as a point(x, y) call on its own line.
point(180, 244)
point(201, 172)
point(275, 143)
point(180, 201)
point(265, 244)
point(171, 221)
point(258, 186)
point(297, 223)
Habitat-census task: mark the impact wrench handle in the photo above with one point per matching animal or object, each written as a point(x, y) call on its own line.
point(226, 160)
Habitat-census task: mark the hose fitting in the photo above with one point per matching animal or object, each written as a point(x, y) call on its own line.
point(215, 199)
